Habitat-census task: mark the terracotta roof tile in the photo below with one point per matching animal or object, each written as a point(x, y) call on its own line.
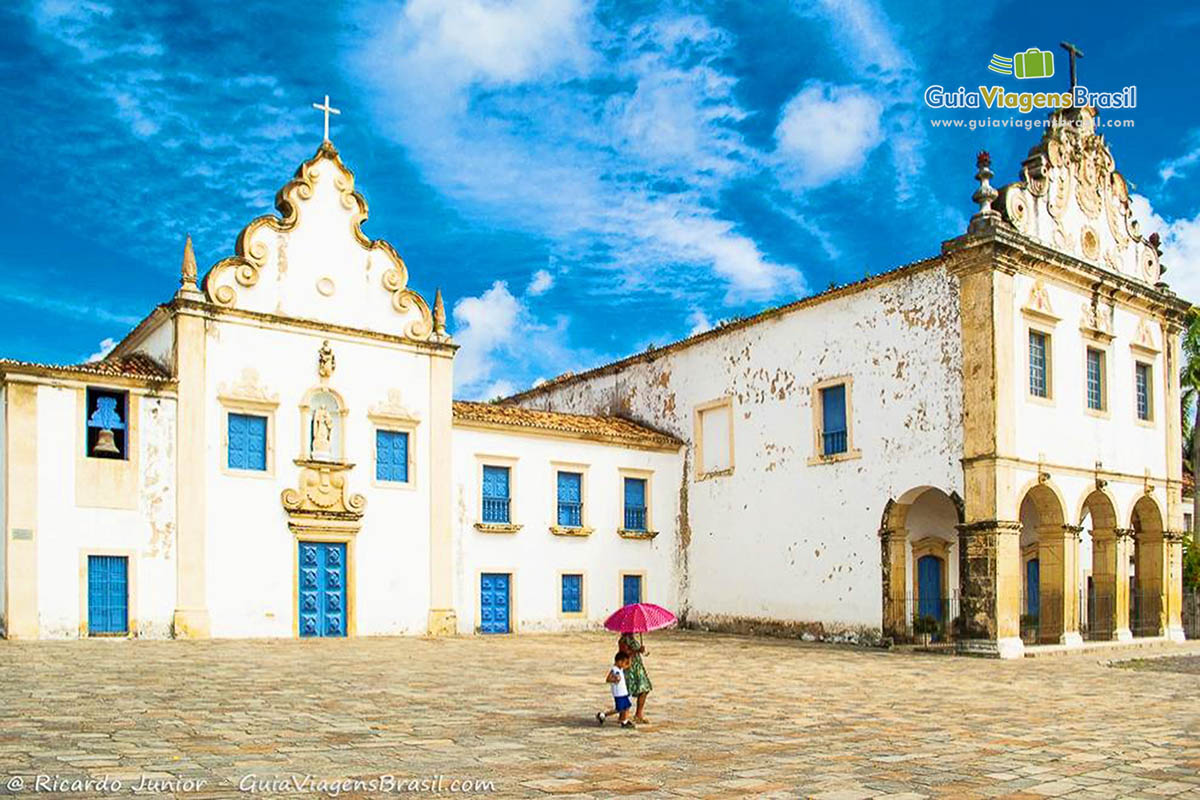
point(617, 430)
point(138, 366)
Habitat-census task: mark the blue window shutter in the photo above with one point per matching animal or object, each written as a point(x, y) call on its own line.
point(570, 502)
point(833, 411)
point(631, 587)
point(496, 494)
point(247, 447)
point(391, 456)
point(635, 504)
point(572, 594)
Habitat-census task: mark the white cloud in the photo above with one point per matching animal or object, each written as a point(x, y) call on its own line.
point(106, 346)
point(826, 132)
point(501, 337)
point(1180, 246)
point(1179, 166)
point(541, 283)
point(625, 178)
point(699, 322)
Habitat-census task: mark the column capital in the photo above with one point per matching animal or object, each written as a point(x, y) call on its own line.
point(987, 527)
point(1174, 536)
point(892, 533)
point(1123, 533)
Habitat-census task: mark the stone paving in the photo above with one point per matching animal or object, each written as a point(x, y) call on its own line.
point(730, 717)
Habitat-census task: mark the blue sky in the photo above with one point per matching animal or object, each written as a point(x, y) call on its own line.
point(582, 179)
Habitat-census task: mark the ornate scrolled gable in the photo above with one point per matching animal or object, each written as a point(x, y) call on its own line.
point(1072, 198)
point(314, 261)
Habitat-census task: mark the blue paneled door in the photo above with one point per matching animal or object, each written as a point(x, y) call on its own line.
point(494, 593)
point(108, 594)
point(929, 587)
point(1032, 593)
point(631, 589)
point(322, 589)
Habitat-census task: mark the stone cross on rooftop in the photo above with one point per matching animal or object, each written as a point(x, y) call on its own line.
point(328, 109)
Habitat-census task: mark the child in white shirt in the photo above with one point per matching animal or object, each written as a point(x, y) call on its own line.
point(621, 702)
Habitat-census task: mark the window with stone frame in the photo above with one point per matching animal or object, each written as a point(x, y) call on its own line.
point(107, 424)
point(1096, 380)
point(1144, 391)
point(1039, 364)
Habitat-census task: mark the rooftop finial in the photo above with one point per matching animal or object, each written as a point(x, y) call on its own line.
point(985, 194)
point(328, 109)
point(439, 314)
point(1073, 53)
point(187, 270)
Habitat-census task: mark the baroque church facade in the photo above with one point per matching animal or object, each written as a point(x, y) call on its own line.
point(276, 451)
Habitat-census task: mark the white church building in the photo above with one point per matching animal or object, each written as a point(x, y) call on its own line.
point(984, 444)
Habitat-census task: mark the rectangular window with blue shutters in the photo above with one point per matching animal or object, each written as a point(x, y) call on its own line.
point(631, 589)
point(572, 594)
point(391, 456)
point(570, 499)
point(494, 591)
point(108, 595)
point(1039, 367)
point(1143, 396)
point(247, 442)
point(834, 436)
point(1095, 379)
point(496, 499)
point(635, 504)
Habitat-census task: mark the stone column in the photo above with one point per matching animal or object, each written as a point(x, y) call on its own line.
point(989, 567)
point(1058, 584)
point(1149, 583)
point(1110, 577)
point(20, 532)
point(896, 615)
point(191, 619)
point(442, 618)
point(1173, 590)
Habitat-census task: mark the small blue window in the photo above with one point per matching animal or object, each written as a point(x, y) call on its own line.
point(247, 442)
point(391, 456)
point(1038, 385)
point(572, 594)
point(834, 437)
point(1142, 380)
point(1095, 379)
point(635, 504)
point(631, 589)
point(496, 499)
point(570, 499)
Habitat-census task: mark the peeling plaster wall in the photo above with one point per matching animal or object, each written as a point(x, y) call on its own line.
point(534, 555)
point(250, 550)
point(780, 539)
point(65, 530)
point(160, 344)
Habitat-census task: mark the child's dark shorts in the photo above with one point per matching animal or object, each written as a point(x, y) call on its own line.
point(622, 703)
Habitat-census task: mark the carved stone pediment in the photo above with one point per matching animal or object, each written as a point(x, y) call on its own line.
point(392, 409)
point(323, 494)
point(248, 389)
point(1072, 198)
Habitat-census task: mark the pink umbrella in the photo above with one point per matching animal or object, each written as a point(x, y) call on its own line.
point(639, 618)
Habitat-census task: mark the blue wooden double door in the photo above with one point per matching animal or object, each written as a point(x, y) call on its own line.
point(495, 602)
point(108, 595)
point(929, 587)
point(322, 587)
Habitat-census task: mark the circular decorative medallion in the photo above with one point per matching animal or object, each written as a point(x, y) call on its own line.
point(1090, 244)
point(325, 286)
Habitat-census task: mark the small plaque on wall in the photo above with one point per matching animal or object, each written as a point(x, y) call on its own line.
point(19, 534)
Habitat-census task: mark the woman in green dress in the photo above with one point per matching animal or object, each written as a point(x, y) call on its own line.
point(636, 678)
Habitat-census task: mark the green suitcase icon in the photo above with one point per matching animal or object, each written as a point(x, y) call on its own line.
point(1033, 63)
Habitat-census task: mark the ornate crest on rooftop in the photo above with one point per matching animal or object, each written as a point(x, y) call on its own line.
point(1072, 198)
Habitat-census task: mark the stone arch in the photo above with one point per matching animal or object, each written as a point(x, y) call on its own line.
point(935, 514)
point(1149, 581)
point(1104, 552)
point(1047, 538)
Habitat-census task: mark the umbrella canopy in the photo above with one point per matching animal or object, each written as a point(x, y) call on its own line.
point(639, 618)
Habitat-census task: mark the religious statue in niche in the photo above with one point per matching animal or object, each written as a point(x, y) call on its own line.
point(322, 434)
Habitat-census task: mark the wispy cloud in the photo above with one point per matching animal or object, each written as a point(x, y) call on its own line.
point(1179, 166)
point(614, 144)
point(1180, 246)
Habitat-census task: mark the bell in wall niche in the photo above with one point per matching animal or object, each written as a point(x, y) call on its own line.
point(106, 443)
